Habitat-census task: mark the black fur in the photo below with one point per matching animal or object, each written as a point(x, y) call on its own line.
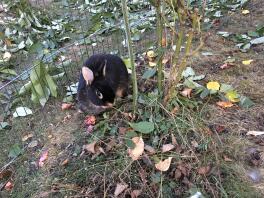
point(116, 77)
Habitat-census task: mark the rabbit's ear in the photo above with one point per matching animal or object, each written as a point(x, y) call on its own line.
point(87, 75)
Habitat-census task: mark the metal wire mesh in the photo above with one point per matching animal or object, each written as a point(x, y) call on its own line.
point(76, 50)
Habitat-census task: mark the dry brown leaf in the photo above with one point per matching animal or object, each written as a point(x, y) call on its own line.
point(26, 137)
point(225, 104)
point(227, 159)
point(150, 149)
point(173, 140)
point(65, 162)
point(164, 165)
point(227, 65)
point(90, 120)
point(9, 186)
point(135, 193)
point(136, 152)
point(255, 133)
point(120, 188)
point(167, 147)
point(204, 170)
point(101, 150)
point(186, 92)
point(90, 147)
point(66, 106)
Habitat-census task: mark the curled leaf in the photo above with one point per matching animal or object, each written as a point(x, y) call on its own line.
point(225, 104)
point(90, 147)
point(90, 120)
point(164, 165)
point(137, 151)
point(186, 92)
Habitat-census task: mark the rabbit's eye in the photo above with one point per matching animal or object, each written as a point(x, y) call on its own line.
point(99, 94)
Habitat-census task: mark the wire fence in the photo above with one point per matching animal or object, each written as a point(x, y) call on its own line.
point(69, 56)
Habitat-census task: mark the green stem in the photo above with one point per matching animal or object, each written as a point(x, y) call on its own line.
point(159, 34)
point(131, 55)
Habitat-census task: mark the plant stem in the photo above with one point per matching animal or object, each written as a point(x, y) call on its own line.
point(160, 54)
point(131, 55)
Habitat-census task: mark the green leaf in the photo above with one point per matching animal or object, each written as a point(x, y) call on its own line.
point(9, 71)
point(188, 72)
point(204, 93)
point(128, 137)
point(127, 62)
point(26, 87)
point(232, 96)
point(57, 76)
point(149, 73)
point(22, 112)
point(15, 151)
point(52, 85)
point(68, 99)
point(35, 74)
point(143, 127)
point(225, 88)
point(245, 102)
point(39, 88)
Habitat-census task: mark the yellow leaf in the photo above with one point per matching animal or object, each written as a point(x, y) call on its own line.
point(151, 54)
point(247, 62)
point(232, 96)
point(225, 104)
point(213, 85)
point(245, 12)
point(136, 152)
point(164, 165)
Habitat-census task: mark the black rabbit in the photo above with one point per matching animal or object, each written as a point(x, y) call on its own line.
point(103, 78)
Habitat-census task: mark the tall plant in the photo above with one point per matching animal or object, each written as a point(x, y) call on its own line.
point(131, 55)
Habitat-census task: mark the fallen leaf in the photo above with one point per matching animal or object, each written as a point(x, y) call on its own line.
point(9, 186)
point(247, 62)
point(226, 65)
point(120, 188)
point(26, 137)
point(227, 159)
point(164, 41)
point(174, 110)
point(136, 152)
point(167, 147)
point(90, 147)
point(186, 92)
point(213, 85)
point(152, 64)
point(164, 165)
point(65, 162)
point(66, 106)
point(245, 12)
point(150, 149)
point(101, 150)
point(33, 144)
point(151, 54)
point(135, 193)
point(255, 133)
point(173, 140)
point(204, 170)
point(225, 104)
point(90, 120)
point(43, 157)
